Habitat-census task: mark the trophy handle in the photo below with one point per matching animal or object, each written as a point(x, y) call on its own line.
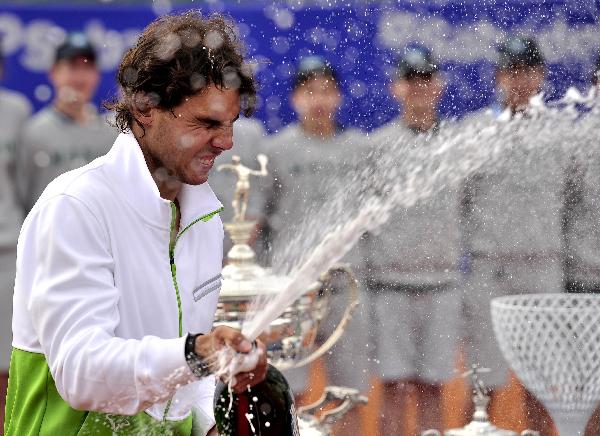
point(349, 398)
point(339, 330)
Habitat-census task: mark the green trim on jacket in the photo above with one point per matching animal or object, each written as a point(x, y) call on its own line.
point(34, 407)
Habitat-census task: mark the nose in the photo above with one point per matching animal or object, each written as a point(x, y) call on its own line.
point(224, 139)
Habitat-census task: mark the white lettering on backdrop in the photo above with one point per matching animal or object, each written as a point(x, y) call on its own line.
point(39, 38)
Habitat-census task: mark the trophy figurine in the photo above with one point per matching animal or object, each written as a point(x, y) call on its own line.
point(290, 339)
point(241, 260)
point(242, 187)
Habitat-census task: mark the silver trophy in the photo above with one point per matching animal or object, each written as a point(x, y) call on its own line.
point(290, 339)
point(480, 425)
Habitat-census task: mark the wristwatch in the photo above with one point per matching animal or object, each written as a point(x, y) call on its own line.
point(199, 367)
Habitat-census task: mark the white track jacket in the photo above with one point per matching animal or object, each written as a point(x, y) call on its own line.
point(107, 299)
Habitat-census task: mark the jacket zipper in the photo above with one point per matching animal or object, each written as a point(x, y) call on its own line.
point(172, 243)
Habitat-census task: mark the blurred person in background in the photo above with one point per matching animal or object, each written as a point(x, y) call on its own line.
point(581, 217)
point(511, 219)
point(68, 133)
point(413, 263)
point(308, 160)
point(15, 109)
point(520, 74)
point(582, 212)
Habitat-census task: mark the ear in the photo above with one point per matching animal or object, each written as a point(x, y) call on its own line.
point(440, 84)
point(295, 101)
point(52, 75)
point(501, 77)
point(144, 109)
point(399, 89)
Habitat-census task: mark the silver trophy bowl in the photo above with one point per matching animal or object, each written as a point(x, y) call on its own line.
point(290, 339)
point(552, 342)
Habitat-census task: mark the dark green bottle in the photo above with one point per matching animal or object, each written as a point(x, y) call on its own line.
point(267, 409)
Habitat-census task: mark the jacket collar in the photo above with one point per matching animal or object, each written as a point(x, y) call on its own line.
point(128, 173)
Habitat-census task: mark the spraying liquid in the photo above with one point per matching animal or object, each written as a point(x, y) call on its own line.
point(395, 175)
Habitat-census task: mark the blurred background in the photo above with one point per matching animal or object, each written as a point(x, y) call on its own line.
point(360, 39)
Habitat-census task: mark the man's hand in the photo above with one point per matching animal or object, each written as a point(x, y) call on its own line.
point(207, 345)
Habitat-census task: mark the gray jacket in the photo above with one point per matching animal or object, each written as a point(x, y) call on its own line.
point(419, 246)
point(512, 209)
point(313, 180)
point(582, 218)
point(14, 112)
point(52, 144)
point(309, 175)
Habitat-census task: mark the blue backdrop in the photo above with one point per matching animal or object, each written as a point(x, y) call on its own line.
point(360, 41)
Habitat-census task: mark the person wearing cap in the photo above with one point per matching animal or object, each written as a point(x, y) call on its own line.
point(582, 215)
point(413, 262)
point(69, 132)
point(582, 260)
point(308, 159)
point(15, 109)
point(511, 216)
point(520, 73)
point(119, 262)
point(417, 87)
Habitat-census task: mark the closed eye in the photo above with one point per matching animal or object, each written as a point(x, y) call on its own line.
point(211, 123)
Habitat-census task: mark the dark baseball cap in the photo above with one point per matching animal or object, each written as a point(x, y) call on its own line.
point(75, 45)
point(416, 61)
point(519, 51)
point(312, 66)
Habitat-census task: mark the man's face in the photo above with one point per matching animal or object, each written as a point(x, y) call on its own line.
point(518, 85)
point(318, 98)
point(420, 93)
point(185, 141)
point(75, 80)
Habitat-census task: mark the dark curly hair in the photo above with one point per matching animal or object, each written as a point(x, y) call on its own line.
point(177, 56)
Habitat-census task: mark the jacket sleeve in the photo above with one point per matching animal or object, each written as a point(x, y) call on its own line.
point(74, 307)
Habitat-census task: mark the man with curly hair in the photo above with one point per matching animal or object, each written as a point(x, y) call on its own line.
point(119, 262)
